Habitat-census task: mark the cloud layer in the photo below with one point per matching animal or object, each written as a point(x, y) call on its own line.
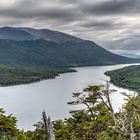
point(115, 24)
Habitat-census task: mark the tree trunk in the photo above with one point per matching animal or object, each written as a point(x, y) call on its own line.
point(132, 136)
point(48, 126)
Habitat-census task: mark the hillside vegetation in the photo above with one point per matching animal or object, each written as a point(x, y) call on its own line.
point(46, 48)
point(16, 75)
point(43, 53)
point(95, 121)
point(127, 77)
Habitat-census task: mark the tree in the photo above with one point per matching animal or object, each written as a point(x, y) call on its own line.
point(7, 125)
point(129, 116)
point(95, 119)
point(125, 123)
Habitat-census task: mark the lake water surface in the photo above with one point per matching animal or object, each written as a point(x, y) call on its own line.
point(27, 102)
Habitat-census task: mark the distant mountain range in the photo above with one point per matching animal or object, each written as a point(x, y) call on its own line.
point(131, 55)
point(46, 48)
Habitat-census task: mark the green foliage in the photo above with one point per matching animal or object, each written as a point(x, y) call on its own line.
point(94, 121)
point(127, 77)
point(8, 127)
point(19, 75)
point(43, 53)
point(38, 133)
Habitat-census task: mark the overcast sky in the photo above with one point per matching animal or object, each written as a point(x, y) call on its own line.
point(114, 24)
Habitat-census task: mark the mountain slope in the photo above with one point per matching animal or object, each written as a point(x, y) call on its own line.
point(49, 35)
point(127, 77)
point(15, 34)
point(45, 49)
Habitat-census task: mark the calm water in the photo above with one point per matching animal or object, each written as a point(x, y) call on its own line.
point(27, 102)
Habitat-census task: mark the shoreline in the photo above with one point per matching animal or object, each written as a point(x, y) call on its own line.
point(21, 76)
point(123, 77)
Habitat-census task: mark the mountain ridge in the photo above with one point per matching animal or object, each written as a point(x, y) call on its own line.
point(47, 48)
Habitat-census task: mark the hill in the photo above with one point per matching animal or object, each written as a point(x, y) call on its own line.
point(19, 75)
point(127, 77)
point(46, 48)
point(15, 34)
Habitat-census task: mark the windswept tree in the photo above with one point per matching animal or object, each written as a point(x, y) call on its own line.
point(7, 125)
point(96, 119)
point(99, 108)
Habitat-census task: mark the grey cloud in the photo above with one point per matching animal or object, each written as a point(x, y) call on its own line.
point(114, 24)
point(59, 12)
point(128, 53)
point(108, 24)
point(112, 7)
point(126, 44)
point(97, 23)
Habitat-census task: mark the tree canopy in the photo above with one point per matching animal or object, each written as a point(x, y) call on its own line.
point(95, 119)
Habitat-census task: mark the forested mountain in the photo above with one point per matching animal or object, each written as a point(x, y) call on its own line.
point(46, 48)
point(15, 34)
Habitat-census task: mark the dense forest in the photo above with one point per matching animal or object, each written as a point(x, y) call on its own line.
point(18, 75)
point(127, 77)
point(97, 120)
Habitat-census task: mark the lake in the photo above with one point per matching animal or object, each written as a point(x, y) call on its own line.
point(27, 102)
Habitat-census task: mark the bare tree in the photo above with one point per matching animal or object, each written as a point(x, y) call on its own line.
point(48, 126)
point(126, 117)
point(124, 122)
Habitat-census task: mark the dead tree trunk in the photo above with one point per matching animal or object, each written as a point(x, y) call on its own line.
point(48, 126)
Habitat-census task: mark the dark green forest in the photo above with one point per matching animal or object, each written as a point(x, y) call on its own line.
point(19, 75)
point(127, 77)
point(47, 48)
point(97, 120)
point(42, 53)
